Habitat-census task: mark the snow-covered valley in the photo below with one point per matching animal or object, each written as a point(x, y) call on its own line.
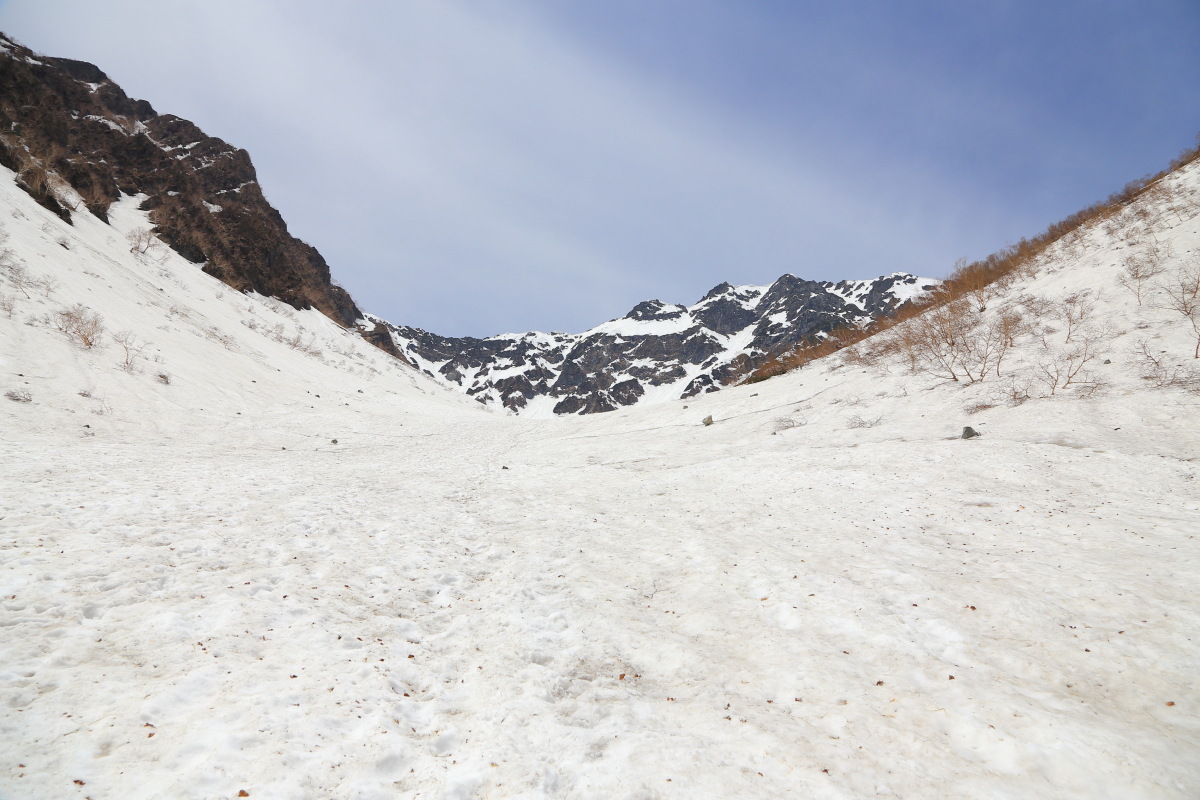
point(261, 558)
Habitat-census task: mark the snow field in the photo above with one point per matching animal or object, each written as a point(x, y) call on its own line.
point(454, 603)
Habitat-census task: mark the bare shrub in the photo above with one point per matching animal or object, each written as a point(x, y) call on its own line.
point(973, 284)
point(1089, 384)
point(1182, 295)
point(898, 340)
point(856, 422)
point(82, 325)
point(950, 342)
point(978, 408)
point(47, 284)
point(1142, 267)
point(1161, 374)
point(221, 338)
point(1011, 324)
point(16, 273)
point(131, 349)
point(1063, 365)
point(142, 241)
point(937, 338)
point(1014, 390)
point(787, 423)
point(309, 347)
point(7, 303)
point(163, 378)
point(987, 346)
point(1074, 309)
point(858, 357)
point(19, 395)
point(1037, 307)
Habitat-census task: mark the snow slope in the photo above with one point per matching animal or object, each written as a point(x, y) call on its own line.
point(825, 594)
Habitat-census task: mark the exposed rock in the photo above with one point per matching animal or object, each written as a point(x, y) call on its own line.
point(64, 125)
point(969, 433)
point(682, 351)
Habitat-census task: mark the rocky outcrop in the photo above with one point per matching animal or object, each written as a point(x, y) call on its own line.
point(657, 351)
point(77, 142)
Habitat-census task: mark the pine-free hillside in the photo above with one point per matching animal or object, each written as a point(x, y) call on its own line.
point(946, 339)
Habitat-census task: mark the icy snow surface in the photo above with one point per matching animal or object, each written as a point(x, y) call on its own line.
point(201, 593)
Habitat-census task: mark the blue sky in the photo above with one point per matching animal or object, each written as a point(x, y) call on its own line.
point(479, 167)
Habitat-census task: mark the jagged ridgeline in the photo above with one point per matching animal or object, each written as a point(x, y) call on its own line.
point(77, 142)
point(656, 351)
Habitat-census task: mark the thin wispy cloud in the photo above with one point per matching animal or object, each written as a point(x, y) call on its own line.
point(478, 168)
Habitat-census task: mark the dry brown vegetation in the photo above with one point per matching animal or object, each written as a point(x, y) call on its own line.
point(131, 349)
point(141, 241)
point(1141, 268)
point(944, 339)
point(1182, 295)
point(1159, 370)
point(82, 325)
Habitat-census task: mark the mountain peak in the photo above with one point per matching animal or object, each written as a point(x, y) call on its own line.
point(717, 291)
point(655, 309)
point(656, 352)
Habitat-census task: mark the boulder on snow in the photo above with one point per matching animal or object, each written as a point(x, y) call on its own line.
point(969, 433)
point(707, 420)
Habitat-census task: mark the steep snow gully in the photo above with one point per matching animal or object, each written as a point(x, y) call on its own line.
point(243, 553)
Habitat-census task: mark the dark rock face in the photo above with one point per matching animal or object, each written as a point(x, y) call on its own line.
point(65, 126)
point(657, 351)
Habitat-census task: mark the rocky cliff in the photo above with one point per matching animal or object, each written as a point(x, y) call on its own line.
point(77, 141)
